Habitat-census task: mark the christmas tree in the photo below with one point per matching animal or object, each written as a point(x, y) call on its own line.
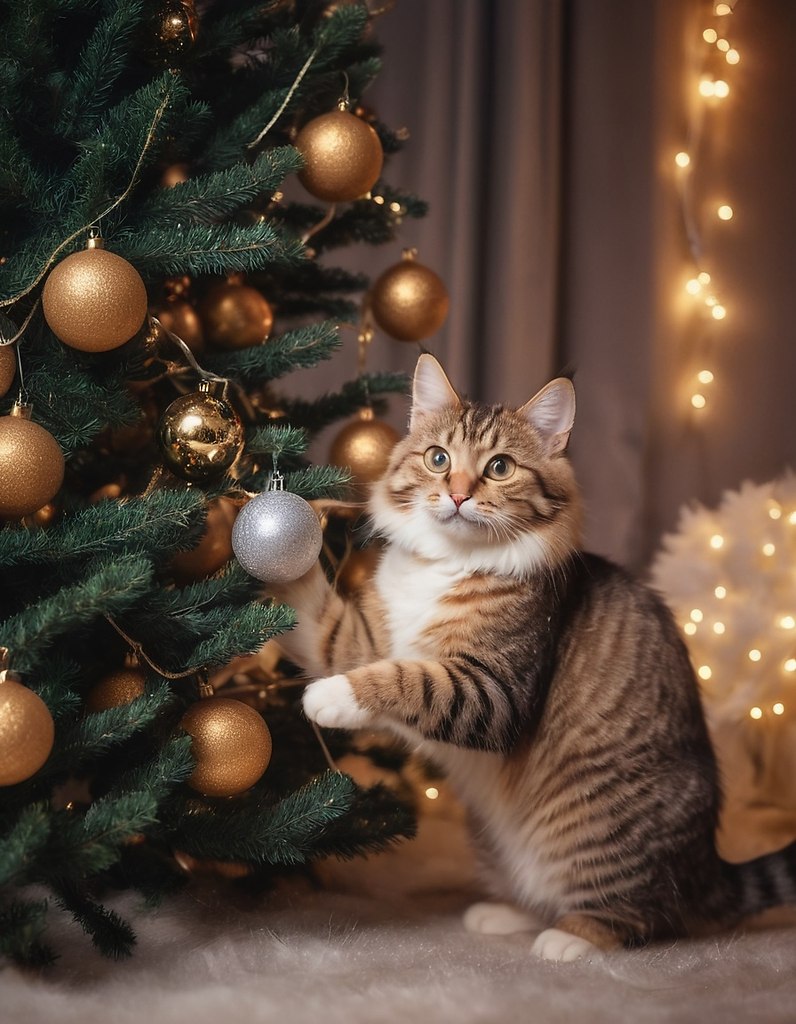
point(154, 282)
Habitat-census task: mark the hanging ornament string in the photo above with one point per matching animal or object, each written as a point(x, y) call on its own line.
point(161, 110)
point(297, 81)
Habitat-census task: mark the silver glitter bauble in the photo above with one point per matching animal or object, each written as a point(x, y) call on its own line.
point(277, 537)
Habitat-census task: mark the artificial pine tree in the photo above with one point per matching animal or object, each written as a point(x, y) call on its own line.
point(166, 131)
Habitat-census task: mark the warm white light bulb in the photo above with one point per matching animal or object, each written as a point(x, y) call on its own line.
point(778, 708)
point(756, 713)
point(768, 549)
point(720, 592)
point(432, 792)
point(723, 45)
point(682, 159)
point(707, 87)
point(719, 628)
point(704, 672)
point(704, 277)
point(724, 212)
point(721, 9)
point(718, 312)
point(754, 654)
point(696, 615)
point(787, 622)
point(790, 665)
point(693, 287)
point(775, 512)
point(720, 89)
point(717, 541)
point(792, 518)
point(732, 56)
point(710, 35)
point(689, 628)
point(698, 401)
point(705, 377)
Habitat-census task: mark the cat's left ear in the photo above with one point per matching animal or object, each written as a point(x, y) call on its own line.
point(431, 389)
point(552, 412)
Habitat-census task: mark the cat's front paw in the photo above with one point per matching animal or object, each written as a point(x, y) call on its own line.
point(555, 944)
point(331, 702)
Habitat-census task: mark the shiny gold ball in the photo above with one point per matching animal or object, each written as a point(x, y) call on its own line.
point(179, 317)
point(94, 300)
point(200, 436)
point(214, 548)
point(342, 156)
point(231, 745)
point(31, 465)
point(26, 732)
point(8, 367)
point(173, 27)
point(116, 689)
point(364, 446)
point(409, 301)
point(235, 316)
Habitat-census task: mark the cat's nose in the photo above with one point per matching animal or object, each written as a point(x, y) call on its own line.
point(459, 499)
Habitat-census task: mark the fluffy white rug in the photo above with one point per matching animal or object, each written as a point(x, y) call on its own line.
point(381, 942)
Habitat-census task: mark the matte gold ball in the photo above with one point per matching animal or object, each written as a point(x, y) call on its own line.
point(8, 367)
point(26, 732)
point(214, 548)
point(364, 446)
point(116, 689)
point(231, 745)
point(235, 316)
point(94, 300)
point(200, 436)
point(31, 465)
point(409, 301)
point(342, 156)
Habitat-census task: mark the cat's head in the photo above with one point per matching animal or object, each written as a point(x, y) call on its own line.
point(486, 487)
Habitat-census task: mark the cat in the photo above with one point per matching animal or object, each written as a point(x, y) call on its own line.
point(551, 687)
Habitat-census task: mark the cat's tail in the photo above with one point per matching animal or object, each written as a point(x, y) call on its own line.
point(767, 881)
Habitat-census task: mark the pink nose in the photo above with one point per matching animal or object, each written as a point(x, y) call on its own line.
point(459, 499)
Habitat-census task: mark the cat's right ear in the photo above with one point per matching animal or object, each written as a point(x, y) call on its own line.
point(552, 413)
point(431, 389)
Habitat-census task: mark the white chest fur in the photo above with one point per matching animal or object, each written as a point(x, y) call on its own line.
point(411, 588)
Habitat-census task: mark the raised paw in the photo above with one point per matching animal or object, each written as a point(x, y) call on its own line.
point(555, 944)
point(331, 702)
point(498, 919)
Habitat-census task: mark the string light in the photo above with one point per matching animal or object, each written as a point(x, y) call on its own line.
point(778, 708)
point(724, 212)
point(720, 592)
point(755, 654)
point(719, 628)
point(717, 541)
point(787, 622)
point(704, 672)
point(690, 628)
point(696, 615)
point(698, 401)
point(768, 549)
point(718, 312)
point(790, 665)
point(756, 713)
point(432, 792)
point(706, 377)
point(682, 159)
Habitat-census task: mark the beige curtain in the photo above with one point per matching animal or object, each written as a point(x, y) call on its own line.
point(543, 134)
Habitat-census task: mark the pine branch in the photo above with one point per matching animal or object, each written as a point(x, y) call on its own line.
point(109, 932)
point(320, 412)
point(21, 924)
point(283, 441)
point(304, 347)
point(20, 845)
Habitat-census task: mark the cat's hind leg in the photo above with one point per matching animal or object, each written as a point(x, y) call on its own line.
point(576, 937)
point(490, 918)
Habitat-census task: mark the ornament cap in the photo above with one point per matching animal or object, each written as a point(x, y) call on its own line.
point(95, 242)
point(22, 410)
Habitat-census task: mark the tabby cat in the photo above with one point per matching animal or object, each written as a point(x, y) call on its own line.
point(551, 687)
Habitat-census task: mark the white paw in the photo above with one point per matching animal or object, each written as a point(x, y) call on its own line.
point(498, 919)
point(554, 944)
point(331, 702)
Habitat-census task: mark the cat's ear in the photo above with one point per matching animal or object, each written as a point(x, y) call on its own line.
point(552, 412)
point(431, 389)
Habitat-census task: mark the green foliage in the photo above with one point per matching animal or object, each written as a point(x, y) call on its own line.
point(90, 122)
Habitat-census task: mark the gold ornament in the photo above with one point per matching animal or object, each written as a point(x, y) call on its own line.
point(117, 689)
point(31, 464)
point(174, 26)
point(94, 300)
point(26, 728)
point(235, 315)
point(179, 317)
point(409, 301)
point(200, 434)
point(8, 367)
point(224, 868)
point(231, 745)
point(214, 548)
point(44, 516)
point(364, 446)
point(342, 156)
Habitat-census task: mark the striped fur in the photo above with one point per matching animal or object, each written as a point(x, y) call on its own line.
point(551, 686)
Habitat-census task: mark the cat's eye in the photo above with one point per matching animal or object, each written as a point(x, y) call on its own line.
point(501, 467)
point(437, 460)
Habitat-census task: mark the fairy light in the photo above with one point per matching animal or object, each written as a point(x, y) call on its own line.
point(721, 89)
point(754, 655)
point(732, 56)
point(722, 9)
point(696, 615)
point(698, 401)
point(704, 672)
point(717, 541)
point(705, 377)
point(690, 628)
point(718, 312)
point(775, 512)
point(710, 35)
point(756, 713)
point(769, 549)
point(703, 277)
point(432, 792)
point(792, 519)
point(720, 592)
point(778, 708)
point(787, 622)
point(724, 212)
point(682, 159)
point(790, 665)
point(719, 628)
point(723, 45)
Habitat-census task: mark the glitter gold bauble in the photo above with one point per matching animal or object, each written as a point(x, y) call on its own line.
point(409, 301)
point(26, 731)
point(235, 315)
point(31, 464)
point(94, 300)
point(172, 26)
point(200, 434)
point(364, 446)
point(342, 156)
point(214, 549)
point(116, 689)
point(8, 367)
point(179, 317)
point(231, 745)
